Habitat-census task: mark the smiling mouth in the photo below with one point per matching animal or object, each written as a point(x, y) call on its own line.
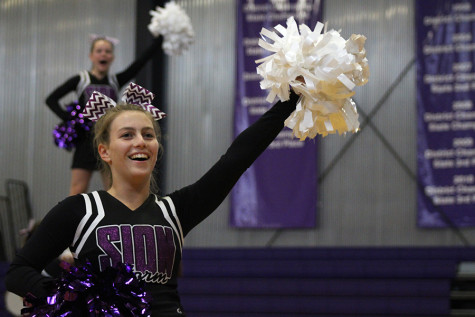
point(103, 62)
point(139, 157)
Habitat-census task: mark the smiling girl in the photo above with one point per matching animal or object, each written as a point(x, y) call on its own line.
point(129, 223)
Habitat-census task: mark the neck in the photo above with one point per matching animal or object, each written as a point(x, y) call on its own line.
point(130, 195)
point(98, 74)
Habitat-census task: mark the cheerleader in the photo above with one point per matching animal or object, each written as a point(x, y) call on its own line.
point(129, 223)
point(98, 78)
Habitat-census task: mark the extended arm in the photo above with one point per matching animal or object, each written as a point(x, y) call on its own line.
point(131, 71)
point(199, 200)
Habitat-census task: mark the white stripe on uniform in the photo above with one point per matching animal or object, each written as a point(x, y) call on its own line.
point(100, 215)
point(167, 217)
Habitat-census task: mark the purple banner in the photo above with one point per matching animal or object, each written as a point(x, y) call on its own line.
point(445, 42)
point(280, 189)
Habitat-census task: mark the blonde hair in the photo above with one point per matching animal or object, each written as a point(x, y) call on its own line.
point(102, 136)
point(101, 38)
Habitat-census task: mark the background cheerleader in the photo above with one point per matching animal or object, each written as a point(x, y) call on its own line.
point(101, 54)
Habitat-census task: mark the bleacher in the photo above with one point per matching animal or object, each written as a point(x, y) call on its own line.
point(290, 282)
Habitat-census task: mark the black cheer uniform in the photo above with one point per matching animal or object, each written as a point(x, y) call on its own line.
point(84, 84)
point(98, 227)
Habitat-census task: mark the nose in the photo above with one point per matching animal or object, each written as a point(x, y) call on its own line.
point(139, 141)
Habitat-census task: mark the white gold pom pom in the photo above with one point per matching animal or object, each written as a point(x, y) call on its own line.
point(174, 25)
point(323, 68)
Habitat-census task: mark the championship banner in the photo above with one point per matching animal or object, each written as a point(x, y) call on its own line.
point(280, 189)
point(445, 40)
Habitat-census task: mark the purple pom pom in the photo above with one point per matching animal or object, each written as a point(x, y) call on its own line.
point(67, 134)
point(83, 292)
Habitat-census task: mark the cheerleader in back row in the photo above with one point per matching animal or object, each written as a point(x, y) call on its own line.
point(83, 84)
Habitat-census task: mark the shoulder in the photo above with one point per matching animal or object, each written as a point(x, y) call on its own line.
point(69, 84)
point(67, 212)
point(82, 203)
point(74, 203)
point(72, 200)
point(93, 200)
point(74, 79)
point(163, 200)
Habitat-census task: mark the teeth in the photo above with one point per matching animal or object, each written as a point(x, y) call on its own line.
point(139, 156)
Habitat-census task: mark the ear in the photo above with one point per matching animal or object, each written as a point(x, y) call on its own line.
point(104, 153)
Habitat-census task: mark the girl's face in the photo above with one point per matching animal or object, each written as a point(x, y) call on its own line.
point(102, 56)
point(133, 148)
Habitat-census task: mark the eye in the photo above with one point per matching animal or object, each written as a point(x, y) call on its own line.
point(149, 135)
point(126, 135)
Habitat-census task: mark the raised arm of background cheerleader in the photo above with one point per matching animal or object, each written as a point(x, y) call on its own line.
point(133, 69)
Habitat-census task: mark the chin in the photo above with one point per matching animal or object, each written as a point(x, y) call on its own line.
point(142, 174)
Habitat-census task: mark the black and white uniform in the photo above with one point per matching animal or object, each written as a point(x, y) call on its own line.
point(99, 228)
point(84, 84)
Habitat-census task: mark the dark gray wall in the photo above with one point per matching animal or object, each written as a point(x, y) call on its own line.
point(366, 197)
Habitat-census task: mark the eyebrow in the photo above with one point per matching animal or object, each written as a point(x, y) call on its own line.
point(131, 128)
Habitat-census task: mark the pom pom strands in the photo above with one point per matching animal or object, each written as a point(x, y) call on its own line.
point(67, 134)
point(323, 68)
point(174, 24)
point(83, 292)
